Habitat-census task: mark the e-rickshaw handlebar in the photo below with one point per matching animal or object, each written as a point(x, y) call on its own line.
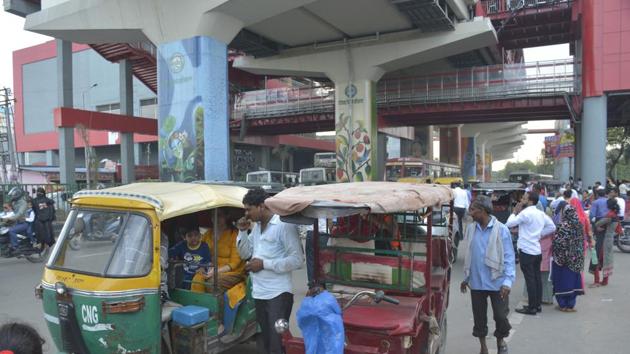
point(378, 296)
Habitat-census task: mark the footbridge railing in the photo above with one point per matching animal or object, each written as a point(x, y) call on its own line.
point(535, 79)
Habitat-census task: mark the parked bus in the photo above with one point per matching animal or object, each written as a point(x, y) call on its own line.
point(527, 176)
point(413, 169)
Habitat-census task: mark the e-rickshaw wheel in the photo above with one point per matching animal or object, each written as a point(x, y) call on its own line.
point(443, 334)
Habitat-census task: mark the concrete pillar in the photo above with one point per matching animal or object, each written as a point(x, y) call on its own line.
point(126, 108)
point(422, 146)
point(356, 124)
point(64, 99)
point(593, 142)
point(481, 160)
point(577, 161)
point(381, 151)
point(193, 110)
point(265, 157)
point(137, 155)
point(51, 158)
point(469, 157)
point(450, 145)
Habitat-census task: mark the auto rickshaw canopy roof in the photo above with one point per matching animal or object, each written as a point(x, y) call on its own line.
point(171, 199)
point(341, 199)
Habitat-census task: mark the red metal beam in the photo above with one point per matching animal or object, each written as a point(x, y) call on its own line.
point(71, 118)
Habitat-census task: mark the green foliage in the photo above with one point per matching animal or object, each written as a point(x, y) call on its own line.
point(618, 153)
point(169, 125)
point(545, 167)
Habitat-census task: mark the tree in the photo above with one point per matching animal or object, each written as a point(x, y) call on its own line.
point(619, 142)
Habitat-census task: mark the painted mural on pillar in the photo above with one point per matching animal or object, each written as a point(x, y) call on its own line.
point(469, 159)
point(356, 129)
point(353, 151)
point(487, 172)
point(193, 125)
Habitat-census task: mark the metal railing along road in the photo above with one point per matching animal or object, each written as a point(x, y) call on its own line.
point(535, 79)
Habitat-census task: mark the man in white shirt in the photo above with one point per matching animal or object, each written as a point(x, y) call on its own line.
point(532, 224)
point(274, 250)
point(460, 205)
point(623, 189)
point(614, 194)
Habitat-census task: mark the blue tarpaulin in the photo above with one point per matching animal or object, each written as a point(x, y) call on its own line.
point(320, 321)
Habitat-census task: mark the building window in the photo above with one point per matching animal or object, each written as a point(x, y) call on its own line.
point(148, 108)
point(109, 108)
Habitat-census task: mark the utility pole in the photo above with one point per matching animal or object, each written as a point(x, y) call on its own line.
point(7, 154)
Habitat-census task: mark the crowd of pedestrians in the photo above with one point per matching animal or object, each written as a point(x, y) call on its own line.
point(557, 235)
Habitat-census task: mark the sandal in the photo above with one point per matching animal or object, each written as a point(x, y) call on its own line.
point(595, 285)
point(502, 349)
point(570, 309)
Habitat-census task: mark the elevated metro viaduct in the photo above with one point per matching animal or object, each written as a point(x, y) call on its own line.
point(329, 36)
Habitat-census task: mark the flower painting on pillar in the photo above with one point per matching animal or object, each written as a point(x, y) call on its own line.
point(355, 127)
point(353, 150)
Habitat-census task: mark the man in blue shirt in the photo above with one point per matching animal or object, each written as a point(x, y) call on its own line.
point(194, 253)
point(489, 271)
point(599, 208)
point(541, 197)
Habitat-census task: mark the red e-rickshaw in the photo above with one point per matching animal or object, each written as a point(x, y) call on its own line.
point(387, 269)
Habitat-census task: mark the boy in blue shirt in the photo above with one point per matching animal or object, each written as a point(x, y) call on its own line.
point(193, 252)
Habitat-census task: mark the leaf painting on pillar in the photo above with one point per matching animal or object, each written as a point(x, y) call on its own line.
point(353, 146)
point(179, 148)
point(199, 146)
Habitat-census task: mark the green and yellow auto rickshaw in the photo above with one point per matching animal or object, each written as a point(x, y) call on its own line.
point(117, 294)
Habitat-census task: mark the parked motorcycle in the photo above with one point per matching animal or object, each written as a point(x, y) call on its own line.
point(623, 241)
point(33, 253)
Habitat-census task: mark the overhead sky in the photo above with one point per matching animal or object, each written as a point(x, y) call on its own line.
point(14, 37)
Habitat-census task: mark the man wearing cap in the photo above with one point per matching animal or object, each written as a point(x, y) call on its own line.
point(489, 272)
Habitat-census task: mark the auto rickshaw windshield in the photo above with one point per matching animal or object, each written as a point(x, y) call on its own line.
point(104, 243)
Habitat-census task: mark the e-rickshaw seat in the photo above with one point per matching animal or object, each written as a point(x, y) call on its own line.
point(395, 319)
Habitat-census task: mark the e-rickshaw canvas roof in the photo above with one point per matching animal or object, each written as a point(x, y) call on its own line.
point(171, 199)
point(374, 197)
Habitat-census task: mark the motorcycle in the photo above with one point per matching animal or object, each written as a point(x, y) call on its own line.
point(34, 253)
point(623, 241)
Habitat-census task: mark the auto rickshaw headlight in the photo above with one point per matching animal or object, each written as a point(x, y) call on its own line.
point(281, 325)
point(60, 288)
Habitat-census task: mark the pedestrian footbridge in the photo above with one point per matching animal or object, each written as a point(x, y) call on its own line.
point(496, 93)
